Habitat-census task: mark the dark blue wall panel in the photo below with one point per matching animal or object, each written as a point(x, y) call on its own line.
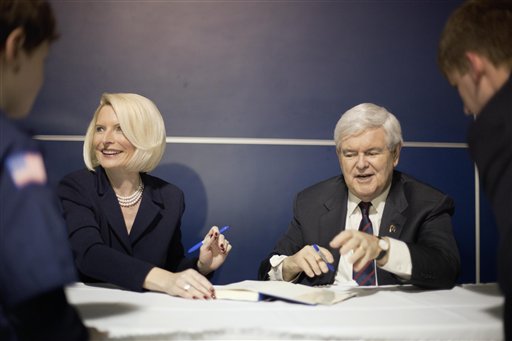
point(252, 69)
point(265, 69)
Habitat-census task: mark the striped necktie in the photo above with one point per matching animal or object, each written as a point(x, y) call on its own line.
point(367, 274)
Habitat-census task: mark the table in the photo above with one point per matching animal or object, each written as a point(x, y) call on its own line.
point(469, 312)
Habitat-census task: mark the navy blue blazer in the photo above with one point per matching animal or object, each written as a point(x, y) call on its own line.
point(415, 213)
point(490, 144)
point(35, 258)
point(102, 248)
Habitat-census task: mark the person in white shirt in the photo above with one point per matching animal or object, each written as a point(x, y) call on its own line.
point(410, 238)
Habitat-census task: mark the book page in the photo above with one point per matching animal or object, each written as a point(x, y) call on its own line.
point(281, 290)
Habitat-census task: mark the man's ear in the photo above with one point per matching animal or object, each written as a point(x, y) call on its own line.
point(476, 66)
point(338, 150)
point(14, 44)
point(396, 154)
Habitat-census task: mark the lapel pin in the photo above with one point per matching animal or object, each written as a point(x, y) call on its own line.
point(392, 228)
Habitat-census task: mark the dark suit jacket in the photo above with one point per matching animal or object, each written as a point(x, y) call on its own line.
point(102, 248)
point(415, 213)
point(490, 144)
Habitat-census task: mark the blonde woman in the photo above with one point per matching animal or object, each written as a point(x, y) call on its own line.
point(124, 224)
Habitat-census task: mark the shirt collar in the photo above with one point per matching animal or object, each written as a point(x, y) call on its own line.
point(377, 203)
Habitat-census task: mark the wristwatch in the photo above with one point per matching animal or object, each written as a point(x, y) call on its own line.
point(384, 248)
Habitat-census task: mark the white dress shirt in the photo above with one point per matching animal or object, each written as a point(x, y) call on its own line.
point(399, 260)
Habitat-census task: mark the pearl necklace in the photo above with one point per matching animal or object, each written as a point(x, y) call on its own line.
point(133, 199)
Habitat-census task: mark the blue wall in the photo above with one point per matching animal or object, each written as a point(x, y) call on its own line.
point(263, 69)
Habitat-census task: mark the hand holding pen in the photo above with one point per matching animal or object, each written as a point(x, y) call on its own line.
point(322, 256)
point(213, 250)
point(209, 235)
point(311, 259)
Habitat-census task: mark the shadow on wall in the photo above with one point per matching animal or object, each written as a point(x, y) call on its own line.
point(196, 205)
point(193, 224)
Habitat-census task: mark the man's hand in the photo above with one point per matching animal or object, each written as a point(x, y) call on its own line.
point(364, 247)
point(306, 260)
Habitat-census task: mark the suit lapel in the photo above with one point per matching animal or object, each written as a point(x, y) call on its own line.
point(333, 221)
point(112, 210)
point(393, 218)
point(149, 209)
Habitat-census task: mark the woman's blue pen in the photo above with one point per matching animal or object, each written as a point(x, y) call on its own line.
point(198, 245)
point(329, 265)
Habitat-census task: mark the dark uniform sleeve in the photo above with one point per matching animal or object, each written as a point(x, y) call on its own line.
point(47, 317)
point(35, 259)
point(490, 144)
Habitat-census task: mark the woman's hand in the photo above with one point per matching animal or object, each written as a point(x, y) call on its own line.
point(213, 252)
point(187, 284)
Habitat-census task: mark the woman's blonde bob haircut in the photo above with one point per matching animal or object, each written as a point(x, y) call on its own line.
point(141, 123)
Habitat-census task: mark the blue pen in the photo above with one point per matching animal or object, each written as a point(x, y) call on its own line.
point(198, 245)
point(329, 265)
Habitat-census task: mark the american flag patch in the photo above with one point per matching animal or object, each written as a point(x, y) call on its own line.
point(26, 168)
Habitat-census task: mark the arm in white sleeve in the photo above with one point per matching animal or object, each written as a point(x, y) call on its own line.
point(276, 269)
point(399, 261)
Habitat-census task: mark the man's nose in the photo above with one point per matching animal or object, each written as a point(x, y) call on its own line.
point(361, 161)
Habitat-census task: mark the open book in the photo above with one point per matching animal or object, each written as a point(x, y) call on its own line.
point(269, 290)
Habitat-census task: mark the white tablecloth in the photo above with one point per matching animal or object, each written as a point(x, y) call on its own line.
point(470, 312)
